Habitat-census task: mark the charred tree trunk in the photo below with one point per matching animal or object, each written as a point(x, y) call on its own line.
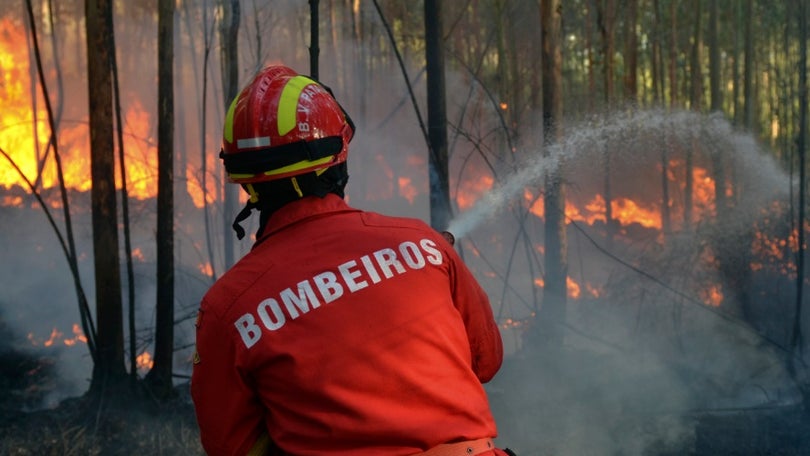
point(551, 316)
point(160, 376)
point(314, 50)
point(606, 14)
point(108, 371)
point(440, 212)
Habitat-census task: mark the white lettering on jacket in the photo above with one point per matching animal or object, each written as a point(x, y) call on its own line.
point(352, 276)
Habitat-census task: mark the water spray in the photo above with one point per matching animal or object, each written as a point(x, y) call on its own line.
point(632, 130)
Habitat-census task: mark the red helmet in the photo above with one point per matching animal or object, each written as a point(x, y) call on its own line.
point(281, 125)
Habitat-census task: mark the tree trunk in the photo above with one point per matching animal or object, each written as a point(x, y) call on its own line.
point(748, 67)
point(673, 55)
point(606, 14)
point(631, 53)
point(716, 97)
point(695, 100)
point(160, 376)
point(551, 316)
point(229, 53)
point(314, 50)
point(108, 371)
point(796, 343)
point(437, 117)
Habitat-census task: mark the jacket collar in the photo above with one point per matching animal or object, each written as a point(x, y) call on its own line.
point(298, 210)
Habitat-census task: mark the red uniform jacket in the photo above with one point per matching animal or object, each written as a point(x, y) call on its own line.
point(344, 333)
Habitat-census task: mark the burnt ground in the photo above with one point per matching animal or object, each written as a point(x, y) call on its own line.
point(138, 425)
point(778, 431)
point(115, 425)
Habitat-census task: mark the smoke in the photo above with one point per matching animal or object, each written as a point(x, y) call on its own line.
point(642, 354)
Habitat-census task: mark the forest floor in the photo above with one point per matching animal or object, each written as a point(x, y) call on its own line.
point(84, 426)
point(139, 425)
point(124, 424)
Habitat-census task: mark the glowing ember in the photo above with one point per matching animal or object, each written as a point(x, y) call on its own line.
point(592, 290)
point(56, 336)
point(78, 336)
point(573, 288)
point(713, 296)
point(144, 361)
point(206, 269)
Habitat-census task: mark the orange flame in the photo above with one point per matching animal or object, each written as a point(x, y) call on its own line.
point(24, 132)
point(574, 289)
point(206, 269)
point(712, 296)
point(144, 361)
point(406, 189)
point(56, 335)
point(470, 190)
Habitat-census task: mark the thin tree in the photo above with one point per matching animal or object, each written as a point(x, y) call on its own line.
point(631, 52)
point(801, 146)
point(159, 377)
point(695, 101)
point(122, 170)
point(440, 211)
point(108, 370)
point(606, 18)
point(229, 59)
point(314, 50)
point(551, 316)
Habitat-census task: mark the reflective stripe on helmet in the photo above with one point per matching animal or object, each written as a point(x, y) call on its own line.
point(304, 164)
point(288, 103)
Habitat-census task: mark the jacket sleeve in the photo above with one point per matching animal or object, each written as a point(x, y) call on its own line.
point(486, 346)
point(229, 414)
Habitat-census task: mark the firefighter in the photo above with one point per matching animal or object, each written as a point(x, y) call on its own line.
point(341, 332)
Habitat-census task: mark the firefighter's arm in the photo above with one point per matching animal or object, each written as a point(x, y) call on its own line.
point(486, 346)
point(229, 414)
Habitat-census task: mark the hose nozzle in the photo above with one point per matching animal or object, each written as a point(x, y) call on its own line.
point(448, 236)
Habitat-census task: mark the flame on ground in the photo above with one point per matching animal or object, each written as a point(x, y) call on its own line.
point(56, 336)
point(144, 361)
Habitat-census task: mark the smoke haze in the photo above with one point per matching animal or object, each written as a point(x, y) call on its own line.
point(646, 349)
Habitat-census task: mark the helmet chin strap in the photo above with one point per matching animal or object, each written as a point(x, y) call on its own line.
point(276, 194)
point(241, 216)
point(245, 212)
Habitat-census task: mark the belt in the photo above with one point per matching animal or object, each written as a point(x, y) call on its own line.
point(465, 448)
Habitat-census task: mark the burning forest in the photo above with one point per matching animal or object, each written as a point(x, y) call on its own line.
point(680, 235)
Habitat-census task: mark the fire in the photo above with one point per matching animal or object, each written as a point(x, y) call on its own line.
point(713, 296)
point(25, 131)
point(56, 336)
point(625, 211)
point(592, 290)
point(470, 190)
point(78, 336)
point(574, 289)
point(144, 361)
point(206, 269)
point(406, 189)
